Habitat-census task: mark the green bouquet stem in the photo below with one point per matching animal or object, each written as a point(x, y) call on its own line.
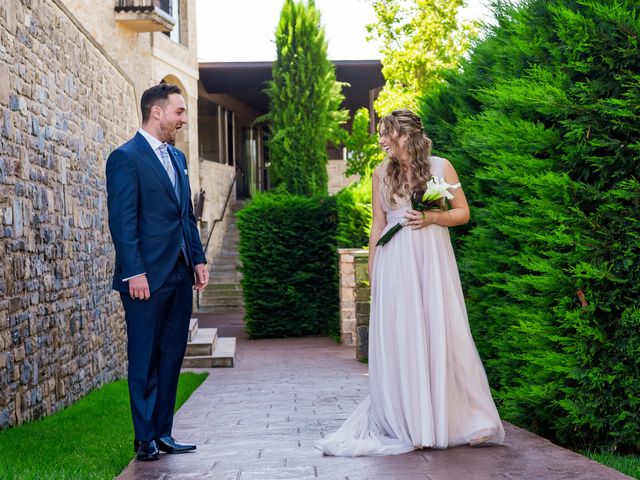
point(389, 235)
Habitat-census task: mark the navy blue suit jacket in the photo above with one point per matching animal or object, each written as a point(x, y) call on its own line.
point(146, 219)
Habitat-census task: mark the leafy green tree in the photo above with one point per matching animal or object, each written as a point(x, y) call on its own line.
point(363, 151)
point(304, 111)
point(420, 39)
point(542, 123)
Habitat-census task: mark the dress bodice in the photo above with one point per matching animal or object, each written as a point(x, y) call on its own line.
point(395, 211)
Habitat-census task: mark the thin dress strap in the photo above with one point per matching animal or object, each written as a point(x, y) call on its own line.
point(436, 166)
point(382, 187)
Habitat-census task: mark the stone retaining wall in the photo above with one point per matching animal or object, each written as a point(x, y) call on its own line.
point(63, 107)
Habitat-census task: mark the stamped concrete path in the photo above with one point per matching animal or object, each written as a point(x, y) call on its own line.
point(259, 421)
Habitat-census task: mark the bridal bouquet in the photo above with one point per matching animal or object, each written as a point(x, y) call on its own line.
point(431, 198)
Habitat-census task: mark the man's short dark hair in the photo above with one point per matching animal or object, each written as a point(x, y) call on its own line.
point(156, 95)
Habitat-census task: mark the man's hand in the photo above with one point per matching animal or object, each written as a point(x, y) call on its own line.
point(139, 288)
point(202, 277)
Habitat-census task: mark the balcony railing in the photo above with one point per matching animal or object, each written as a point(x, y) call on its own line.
point(143, 5)
point(145, 15)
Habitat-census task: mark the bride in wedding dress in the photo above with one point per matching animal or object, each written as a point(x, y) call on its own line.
point(427, 385)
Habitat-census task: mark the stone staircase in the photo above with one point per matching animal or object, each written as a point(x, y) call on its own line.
point(206, 350)
point(224, 294)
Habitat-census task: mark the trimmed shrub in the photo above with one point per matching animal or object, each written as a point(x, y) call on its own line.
point(289, 265)
point(543, 126)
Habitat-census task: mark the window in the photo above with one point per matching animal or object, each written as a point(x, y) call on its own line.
point(172, 7)
point(208, 130)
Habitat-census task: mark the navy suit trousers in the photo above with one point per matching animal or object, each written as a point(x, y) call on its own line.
point(157, 331)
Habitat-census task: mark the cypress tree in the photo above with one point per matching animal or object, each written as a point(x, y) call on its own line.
point(304, 110)
point(543, 126)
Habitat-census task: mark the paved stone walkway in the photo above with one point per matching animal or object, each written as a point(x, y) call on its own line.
point(259, 421)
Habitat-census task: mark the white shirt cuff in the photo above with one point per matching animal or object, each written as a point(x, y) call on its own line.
point(133, 276)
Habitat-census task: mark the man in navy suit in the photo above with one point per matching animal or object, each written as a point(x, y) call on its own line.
point(158, 254)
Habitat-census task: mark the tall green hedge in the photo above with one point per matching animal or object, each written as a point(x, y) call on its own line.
point(543, 125)
point(289, 265)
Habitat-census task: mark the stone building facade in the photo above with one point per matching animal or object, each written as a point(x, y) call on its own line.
point(71, 76)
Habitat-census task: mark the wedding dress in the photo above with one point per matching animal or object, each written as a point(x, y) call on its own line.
point(427, 385)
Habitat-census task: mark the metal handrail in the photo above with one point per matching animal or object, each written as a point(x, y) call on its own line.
point(224, 210)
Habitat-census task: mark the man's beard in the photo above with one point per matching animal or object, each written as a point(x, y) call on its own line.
point(168, 134)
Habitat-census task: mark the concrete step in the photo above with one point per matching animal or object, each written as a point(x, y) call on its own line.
point(223, 356)
point(225, 304)
point(193, 329)
point(224, 279)
point(222, 301)
point(222, 290)
point(232, 295)
point(227, 257)
point(223, 287)
point(221, 308)
point(223, 268)
point(203, 343)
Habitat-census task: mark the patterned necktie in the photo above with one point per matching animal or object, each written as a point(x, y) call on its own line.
point(168, 166)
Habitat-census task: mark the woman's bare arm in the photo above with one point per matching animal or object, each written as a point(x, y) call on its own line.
point(458, 214)
point(379, 220)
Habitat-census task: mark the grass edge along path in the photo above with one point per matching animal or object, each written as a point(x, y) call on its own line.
point(91, 439)
point(627, 464)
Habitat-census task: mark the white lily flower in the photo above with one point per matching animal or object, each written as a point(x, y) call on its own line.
point(438, 188)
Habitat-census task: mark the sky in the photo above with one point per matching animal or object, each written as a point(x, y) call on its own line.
point(243, 30)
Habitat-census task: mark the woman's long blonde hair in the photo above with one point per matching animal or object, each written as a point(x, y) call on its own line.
point(418, 145)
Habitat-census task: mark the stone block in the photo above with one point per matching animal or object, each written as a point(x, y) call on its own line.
point(18, 405)
point(347, 268)
point(4, 85)
point(348, 325)
point(347, 314)
point(363, 294)
point(4, 418)
point(348, 339)
point(362, 343)
point(346, 259)
point(361, 272)
point(348, 305)
point(18, 354)
point(347, 294)
point(362, 309)
point(362, 320)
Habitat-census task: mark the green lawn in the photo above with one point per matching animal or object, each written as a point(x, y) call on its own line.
point(627, 464)
point(92, 439)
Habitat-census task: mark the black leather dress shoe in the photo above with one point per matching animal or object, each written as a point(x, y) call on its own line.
point(147, 451)
point(169, 445)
